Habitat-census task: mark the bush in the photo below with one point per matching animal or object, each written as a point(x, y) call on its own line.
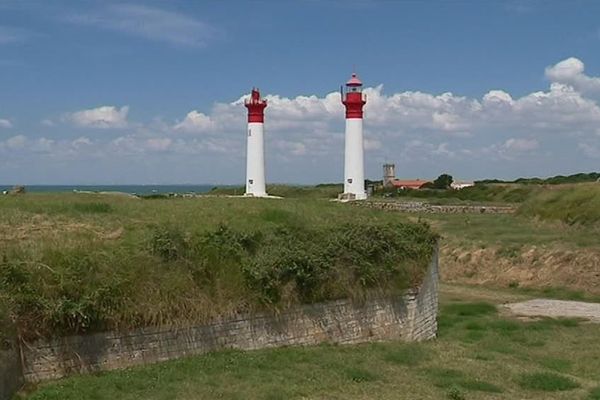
point(168, 243)
point(454, 393)
point(316, 266)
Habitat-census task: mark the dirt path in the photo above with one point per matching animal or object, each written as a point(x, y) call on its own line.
point(556, 309)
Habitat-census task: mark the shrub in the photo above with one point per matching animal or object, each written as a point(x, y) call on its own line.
point(454, 393)
point(323, 265)
point(360, 375)
point(168, 243)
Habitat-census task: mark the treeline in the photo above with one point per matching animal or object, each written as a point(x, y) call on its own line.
point(555, 180)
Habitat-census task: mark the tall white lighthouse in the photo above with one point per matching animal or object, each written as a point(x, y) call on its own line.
point(354, 173)
point(255, 157)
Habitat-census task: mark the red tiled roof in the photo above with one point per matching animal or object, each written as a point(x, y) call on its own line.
point(409, 184)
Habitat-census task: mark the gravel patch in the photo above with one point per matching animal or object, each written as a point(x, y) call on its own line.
point(556, 309)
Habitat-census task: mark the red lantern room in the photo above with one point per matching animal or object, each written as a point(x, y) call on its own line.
point(256, 106)
point(353, 98)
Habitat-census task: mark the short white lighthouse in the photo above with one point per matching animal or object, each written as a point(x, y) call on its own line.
point(255, 157)
point(354, 173)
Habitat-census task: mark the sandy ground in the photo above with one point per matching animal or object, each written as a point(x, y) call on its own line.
point(556, 309)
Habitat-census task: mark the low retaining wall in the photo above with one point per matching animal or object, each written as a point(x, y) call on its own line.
point(412, 206)
point(11, 374)
point(410, 317)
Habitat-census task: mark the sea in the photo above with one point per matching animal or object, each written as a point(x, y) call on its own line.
point(132, 189)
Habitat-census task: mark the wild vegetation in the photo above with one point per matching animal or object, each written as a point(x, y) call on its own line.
point(572, 204)
point(554, 180)
point(480, 193)
point(78, 263)
point(481, 353)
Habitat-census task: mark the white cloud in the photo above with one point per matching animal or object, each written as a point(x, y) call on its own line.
point(158, 144)
point(16, 142)
point(149, 23)
point(195, 122)
point(372, 144)
point(102, 117)
point(11, 35)
point(589, 150)
point(571, 72)
point(47, 122)
point(42, 145)
point(81, 142)
point(5, 123)
point(521, 145)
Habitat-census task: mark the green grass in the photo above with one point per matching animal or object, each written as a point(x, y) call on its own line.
point(547, 382)
point(408, 355)
point(594, 394)
point(322, 191)
point(496, 366)
point(509, 233)
point(572, 204)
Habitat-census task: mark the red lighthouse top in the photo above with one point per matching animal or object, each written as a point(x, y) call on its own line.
point(256, 107)
point(353, 98)
point(354, 81)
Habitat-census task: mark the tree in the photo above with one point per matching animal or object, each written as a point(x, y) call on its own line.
point(443, 182)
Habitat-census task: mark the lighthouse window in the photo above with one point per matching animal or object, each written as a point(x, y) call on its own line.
point(349, 180)
point(249, 132)
point(251, 181)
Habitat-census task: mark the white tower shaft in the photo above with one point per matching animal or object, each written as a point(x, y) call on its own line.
point(255, 161)
point(354, 174)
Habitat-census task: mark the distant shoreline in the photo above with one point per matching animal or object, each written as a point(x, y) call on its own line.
point(132, 189)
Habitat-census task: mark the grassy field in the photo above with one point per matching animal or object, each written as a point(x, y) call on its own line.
point(322, 191)
point(572, 204)
point(550, 245)
point(548, 249)
point(481, 353)
point(75, 263)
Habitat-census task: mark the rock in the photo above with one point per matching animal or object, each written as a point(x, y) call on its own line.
point(17, 190)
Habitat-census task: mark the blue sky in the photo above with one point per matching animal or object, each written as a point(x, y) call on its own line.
point(149, 92)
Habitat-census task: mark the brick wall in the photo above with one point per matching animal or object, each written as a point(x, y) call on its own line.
point(11, 375)
point(409, 317)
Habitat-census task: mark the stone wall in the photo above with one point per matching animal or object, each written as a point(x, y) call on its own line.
point(11, 375)
point(409, 317)
point(416, 206)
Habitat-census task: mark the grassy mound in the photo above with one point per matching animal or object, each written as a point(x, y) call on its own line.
point(89, 264)
point(573, 204)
